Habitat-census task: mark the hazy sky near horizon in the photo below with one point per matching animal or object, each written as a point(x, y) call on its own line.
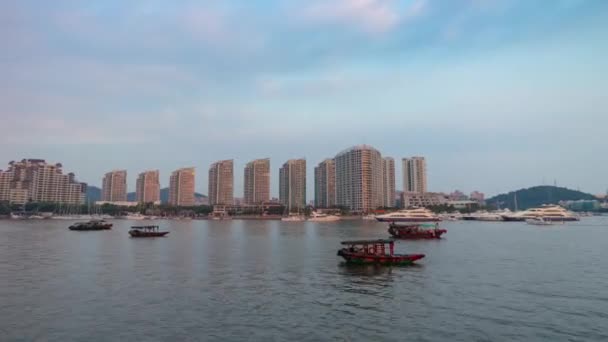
point(496, 94)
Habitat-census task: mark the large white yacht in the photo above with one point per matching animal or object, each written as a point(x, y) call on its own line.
point(546, 212)
point(321, 217)
point(409, 215)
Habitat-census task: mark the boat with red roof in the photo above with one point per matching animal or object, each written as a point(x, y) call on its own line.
point(416, 231)
point(375, 252)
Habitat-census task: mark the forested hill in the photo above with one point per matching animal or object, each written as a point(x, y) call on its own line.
point(536, 196)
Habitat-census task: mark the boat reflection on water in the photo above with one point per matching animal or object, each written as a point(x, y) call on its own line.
point(350, 269)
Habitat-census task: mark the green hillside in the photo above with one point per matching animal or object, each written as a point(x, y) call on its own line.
point(536, 196)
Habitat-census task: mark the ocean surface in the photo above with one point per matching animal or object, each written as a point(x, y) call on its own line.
point(282, 281)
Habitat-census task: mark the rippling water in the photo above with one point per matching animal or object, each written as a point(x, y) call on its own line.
point(277, 281)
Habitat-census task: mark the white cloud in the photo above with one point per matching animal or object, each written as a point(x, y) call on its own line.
point(373, 16)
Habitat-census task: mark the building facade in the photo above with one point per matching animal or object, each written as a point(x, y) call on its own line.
point(114, 186)
point(257, 181)
point(414, 174)
point(292, 184)
point(34, 180)
point(388, 182)
point(359, 179)
point(181, 187)
point(148, 187)
point(325, 184)
point(221, 182)
point(417, 199)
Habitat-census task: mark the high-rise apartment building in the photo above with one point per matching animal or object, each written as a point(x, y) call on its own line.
point(181, 187)
point(359, 178)
point(221, 182)
point(114, 186)
point(257, 181)
point(292, 184)
point(325, 184)
point(414, 174)
point(147, 188)
point(35, 180)
point(388, 182)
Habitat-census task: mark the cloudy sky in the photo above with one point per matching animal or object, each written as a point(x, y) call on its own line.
point(497, 94)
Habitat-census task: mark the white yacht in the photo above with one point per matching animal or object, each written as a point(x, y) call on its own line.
point(409, 215)
point(294, 218)
point(320, 217)
point(546, 212)
point(483, 216)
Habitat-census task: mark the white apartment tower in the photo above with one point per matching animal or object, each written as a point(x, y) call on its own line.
point(148, 187)
point(114, 186)
point(325, 184)
point(388, 182)
point(414, 174)
point(257, 181)
point(359, 178)
point(221, 182)
point(292, 184)
point(181, 187)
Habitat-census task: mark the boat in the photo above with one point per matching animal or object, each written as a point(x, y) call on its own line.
point(409, 215)
point(293, 218)
point(547, 212)
point(375, 252)
point(539, 221)
point(91, 225)
point(320, 217)
point(137, 217)
point(416, 231)
point(483, 216)
point(370, 217)
point(146, 231)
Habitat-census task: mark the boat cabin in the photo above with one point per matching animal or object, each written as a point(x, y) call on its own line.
point(371, 247)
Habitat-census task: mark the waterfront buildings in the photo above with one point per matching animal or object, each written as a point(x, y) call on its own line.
point(477, 196)
point(416, 199)
point(257, 181)
point(148, 187)
point(181, 187)
point(292, 184)
point(34, 180)
point(221, 182)
point(388, 182)
point(359, 178)
point(114, 186)
point(325, 184)
point(414, 174)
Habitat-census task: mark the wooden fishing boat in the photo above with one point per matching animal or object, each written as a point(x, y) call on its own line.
point(147, 231)
point(91, 225)
point(375, 252)
point(416, 231)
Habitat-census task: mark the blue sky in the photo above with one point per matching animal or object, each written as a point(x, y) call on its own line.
point(496, 94)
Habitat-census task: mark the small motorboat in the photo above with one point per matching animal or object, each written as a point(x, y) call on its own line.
point(147, 231)
point(375, 252)
point(416, 231)
point(91, 225)
point(539, 221)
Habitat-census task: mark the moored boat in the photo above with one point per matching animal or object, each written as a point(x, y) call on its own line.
point(416, 231)
point(146, 231)
point(375, 252)
point(321, 217)
point(539, 221)
point(553, 213)
point(293, 218)
point(91, 225)
point(409, 215)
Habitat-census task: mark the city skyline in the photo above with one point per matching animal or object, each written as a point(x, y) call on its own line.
point(480, 88)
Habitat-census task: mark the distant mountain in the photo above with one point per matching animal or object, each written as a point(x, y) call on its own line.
point(537, 196)
point(94, 194)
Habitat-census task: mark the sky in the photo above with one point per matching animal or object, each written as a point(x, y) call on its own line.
point(496, 94)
